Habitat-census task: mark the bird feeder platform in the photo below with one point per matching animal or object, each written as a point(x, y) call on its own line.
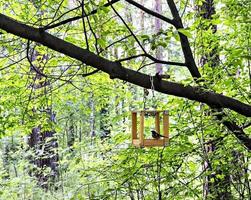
point(138, 138)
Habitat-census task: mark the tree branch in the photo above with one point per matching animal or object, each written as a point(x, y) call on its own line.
point(184, 41)
point(232, 126)
point(150, 12)
point(177, 23)
point(115, 70)
point(153, 59)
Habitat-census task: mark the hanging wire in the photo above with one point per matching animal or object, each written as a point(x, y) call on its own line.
point(146, 94)
point(152, 88)
point(144, 98)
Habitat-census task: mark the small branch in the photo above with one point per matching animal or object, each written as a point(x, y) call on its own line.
point(165, 62)
point(130, 58)
point(145, 65)
point(48, 25)
point(128, 28)
point(93, 33)
point(3, 68)
point(90, 73)
point(246, 125)
point(150, 12)
point(120, 40)
point(58, 9)
point(151, 58)
point(83, 22)
point(76, 18)
point(60, 23)
point(184, 10)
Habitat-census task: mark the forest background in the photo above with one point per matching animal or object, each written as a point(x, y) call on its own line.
point(71, 71)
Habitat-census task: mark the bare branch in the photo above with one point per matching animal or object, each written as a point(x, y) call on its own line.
point(153, 59)
point(150, 12)
point(76, 17)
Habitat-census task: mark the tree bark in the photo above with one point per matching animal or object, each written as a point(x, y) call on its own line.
point(44, 146)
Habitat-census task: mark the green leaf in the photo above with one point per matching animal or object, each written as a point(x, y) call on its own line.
point(185, 32)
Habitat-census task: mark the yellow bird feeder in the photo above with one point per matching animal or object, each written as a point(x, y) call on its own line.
point(138, 138)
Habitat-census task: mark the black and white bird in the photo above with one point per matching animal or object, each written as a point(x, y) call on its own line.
point(156, 135)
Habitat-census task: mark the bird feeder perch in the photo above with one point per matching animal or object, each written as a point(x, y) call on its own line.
point(138, 138)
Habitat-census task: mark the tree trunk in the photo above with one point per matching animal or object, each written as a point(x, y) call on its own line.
point(213, 187)
point(104, 123)
point(92, 116)
point(71, 132)
point(158, 27)
point(6, 157)
point(43, 143)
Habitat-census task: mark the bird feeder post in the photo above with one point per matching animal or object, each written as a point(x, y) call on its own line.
point(166, 127)
point(134, 125)
point(141, 130)
point(157, 122)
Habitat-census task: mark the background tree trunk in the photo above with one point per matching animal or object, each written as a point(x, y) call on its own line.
point(43, 143)
point(217, 183)
point(158, 27)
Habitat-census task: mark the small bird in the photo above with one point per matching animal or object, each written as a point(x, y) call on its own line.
point(156, 135)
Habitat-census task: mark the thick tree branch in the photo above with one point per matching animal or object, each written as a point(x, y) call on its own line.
point(184, 41)
point(236, 130)
point(115, 70)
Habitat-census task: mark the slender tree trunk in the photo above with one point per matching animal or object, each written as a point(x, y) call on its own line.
point(92, 116)
point(71, 131)
point(6, 157)
point(104, 123)
point(142, 17)
point(158, 27)
point(240, 174)
point(43, 143)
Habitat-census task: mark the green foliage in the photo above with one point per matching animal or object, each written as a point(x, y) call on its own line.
point(93, 165)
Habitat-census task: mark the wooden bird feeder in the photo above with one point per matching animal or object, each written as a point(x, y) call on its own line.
point(138, 138)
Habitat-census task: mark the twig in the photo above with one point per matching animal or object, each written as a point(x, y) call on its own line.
point(75, 18)
point(83, 21)
point(150, 12)
point(152, 58)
